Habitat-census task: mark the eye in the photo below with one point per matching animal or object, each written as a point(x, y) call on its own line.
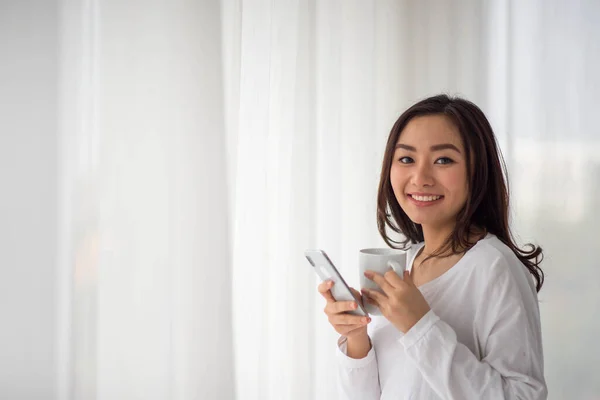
point(405, 160)
point(444, 161)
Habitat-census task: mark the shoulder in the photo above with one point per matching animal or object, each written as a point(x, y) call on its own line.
point(491, 250)
point(499, 263)
point(505, 285)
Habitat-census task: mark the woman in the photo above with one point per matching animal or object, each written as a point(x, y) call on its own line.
point(463, 322)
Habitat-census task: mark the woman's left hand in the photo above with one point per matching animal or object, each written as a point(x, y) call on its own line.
point(401, 302)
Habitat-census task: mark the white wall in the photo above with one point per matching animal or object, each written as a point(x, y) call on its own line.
point(28, 198)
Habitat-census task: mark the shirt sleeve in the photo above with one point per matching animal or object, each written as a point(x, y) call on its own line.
point(357, 378)
point(512, 362)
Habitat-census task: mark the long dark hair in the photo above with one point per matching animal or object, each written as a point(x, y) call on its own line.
point(487, 204)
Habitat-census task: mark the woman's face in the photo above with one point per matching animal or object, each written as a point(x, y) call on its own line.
point(428, 172)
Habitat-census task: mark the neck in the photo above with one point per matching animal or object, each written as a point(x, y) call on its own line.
point(435, 237)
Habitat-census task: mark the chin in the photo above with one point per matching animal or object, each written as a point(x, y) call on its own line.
point(421, 221)
point(417, 220)
point(426, 220)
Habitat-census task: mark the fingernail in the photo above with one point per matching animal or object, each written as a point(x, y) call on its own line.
point(354, 305)
point(365, 320)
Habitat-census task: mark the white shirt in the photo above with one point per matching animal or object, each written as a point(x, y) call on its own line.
point(481, 339)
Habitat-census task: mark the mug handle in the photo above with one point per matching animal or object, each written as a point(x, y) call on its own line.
point(395, 265)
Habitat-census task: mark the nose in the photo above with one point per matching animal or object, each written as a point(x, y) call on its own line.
point(422, 176)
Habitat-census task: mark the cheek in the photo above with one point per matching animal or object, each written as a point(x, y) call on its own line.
point(397, 179)
point(456, 182)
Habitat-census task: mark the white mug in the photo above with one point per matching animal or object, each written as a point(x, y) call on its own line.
point(380, 261)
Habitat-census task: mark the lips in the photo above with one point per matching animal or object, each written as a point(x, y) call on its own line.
point(424, 199)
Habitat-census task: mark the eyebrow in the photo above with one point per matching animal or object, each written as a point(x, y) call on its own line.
point(436, 147)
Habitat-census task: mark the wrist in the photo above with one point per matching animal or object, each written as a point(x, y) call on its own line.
point(358, 346)
point(358, 336)
point(412, 321)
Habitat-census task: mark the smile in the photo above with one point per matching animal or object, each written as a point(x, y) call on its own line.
point(425, 198)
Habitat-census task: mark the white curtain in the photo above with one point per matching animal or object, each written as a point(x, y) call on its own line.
point(315, 88)
point(320, 85)
point(204, 148)
point(145, 244)
point(555, 164)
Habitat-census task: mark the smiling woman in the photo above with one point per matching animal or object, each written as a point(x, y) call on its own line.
point(463, 321)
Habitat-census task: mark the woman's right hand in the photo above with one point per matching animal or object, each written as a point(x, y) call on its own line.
point(345, 324)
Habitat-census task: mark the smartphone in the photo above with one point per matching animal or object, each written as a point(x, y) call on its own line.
point(327, 271)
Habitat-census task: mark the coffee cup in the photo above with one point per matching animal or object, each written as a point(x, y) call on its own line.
point(381, 261)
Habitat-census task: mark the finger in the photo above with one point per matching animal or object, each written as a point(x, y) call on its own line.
point(393, 278)
point(348, 319)
point(370, 300)
point(373, 303)
point(357, 295)
point(325, 289)
point(340, 307)
point(324, 286)
point(374, 297)
point(380, 281)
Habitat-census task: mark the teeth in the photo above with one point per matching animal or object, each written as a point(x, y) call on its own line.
point(426, 198)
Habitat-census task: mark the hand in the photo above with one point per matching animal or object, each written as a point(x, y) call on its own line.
point(337, 312)
point(401, 302)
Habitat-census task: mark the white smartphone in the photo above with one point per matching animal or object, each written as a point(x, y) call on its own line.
point(327, 271)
